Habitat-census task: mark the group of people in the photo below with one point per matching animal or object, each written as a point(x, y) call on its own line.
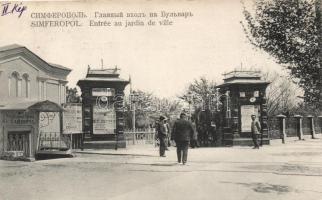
point(183, 131)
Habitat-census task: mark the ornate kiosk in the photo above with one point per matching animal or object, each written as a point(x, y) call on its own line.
point(102, 105)
point(243, 94)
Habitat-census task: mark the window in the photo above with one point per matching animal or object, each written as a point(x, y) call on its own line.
point(25, 85)
point(14, 84)
point(256, 93)
point(42, 89)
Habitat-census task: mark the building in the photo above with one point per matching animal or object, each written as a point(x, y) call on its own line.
point(102, 99)
point(31, 94)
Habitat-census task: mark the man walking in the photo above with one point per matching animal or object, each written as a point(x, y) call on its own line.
point(182, 133)
point(256, 131)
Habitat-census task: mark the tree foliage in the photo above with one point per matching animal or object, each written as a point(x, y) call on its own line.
point(287, 30)
point(72, 95)
point(282, 94)
point(148, 109)
point(200, 93)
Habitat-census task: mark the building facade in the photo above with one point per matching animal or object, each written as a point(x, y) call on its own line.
point(30, 89)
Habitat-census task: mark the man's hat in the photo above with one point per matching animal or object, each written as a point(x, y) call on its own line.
point(162, 118)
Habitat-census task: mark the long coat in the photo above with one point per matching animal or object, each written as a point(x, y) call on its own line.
point(182, 131)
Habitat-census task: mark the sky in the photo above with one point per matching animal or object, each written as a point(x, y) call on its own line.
point(160, 59)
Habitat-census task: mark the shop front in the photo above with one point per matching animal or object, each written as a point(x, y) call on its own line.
point(25, 125)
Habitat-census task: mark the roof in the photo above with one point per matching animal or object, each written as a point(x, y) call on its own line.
point(9, 47)
point(18, 106)
point(59, 66)
point(46, 106)
point(102, 71)
point(41, 106)
point(242, 77)
point(109, 75)
point(243, 74)
point(113, 79)
point(109, 72)
point(16, 48)
point(243, 82)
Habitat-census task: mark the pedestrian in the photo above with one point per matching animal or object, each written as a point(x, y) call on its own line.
point(182, 133)
point(256, 131)
point(162, 135)
point(167, 131)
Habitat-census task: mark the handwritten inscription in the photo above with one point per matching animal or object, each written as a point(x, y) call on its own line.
point(10, 8)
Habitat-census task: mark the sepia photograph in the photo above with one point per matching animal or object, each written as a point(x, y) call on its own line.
point(161, 99)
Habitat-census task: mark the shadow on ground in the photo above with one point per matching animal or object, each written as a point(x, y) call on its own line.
point(265, 187)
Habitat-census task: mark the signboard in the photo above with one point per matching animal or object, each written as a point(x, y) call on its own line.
point(49, 122)
point(72, 118)
point(246, 112)
point(18, 118)
point(104, 120)
point(97, 92)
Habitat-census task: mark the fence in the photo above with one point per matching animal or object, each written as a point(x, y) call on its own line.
point(140, 136)
point(281, 127)
point(58, 141)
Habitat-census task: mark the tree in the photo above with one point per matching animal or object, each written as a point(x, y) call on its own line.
point(288, 31)
point(72, 95)
point(148, 109)
point(282, 94)
point(201, 93)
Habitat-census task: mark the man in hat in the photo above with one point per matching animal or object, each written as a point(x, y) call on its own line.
point(182, 133)
point(162, 134)
point(256, 131)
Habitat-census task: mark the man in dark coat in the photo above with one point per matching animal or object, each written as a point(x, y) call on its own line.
point(162, 134)
point(182, 133)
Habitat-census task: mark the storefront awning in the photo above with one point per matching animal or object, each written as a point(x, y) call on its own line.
point(40, 106)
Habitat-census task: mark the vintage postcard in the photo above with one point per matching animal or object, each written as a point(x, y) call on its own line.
point(151, 99)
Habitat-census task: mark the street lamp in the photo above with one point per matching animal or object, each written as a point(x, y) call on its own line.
point(134, 99)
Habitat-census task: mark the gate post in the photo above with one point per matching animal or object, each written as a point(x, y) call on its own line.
point(282, 127)
point(312, 127)
point(299, 129)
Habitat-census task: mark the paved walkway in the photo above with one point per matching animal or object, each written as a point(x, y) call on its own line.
point(290, 171)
